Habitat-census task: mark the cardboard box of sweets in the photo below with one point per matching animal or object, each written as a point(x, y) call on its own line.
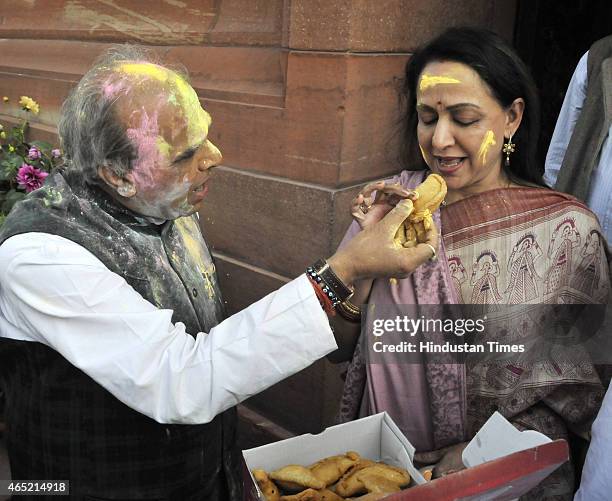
point(502, 463)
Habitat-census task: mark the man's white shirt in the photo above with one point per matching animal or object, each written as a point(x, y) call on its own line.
point(56, 292)
point(599, 198)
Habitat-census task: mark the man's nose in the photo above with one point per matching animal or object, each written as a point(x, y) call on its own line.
point(442, 137)
point(212, 156)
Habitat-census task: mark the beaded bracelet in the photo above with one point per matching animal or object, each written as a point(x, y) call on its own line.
point(324, 301)
point(330, 284)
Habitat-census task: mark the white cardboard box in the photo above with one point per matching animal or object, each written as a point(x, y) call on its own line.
point(378, 438)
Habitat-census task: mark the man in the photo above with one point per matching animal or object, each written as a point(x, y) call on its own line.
point(579, 158)
point(111, 312)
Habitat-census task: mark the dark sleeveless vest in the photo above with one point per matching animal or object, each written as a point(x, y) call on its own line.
point(61, 424)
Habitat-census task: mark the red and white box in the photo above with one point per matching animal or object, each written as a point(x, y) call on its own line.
point(502, 463)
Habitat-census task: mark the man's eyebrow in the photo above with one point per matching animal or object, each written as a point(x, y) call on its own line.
point(188, 153)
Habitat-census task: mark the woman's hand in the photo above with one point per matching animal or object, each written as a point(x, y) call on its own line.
point(367, 211)
point(447, 460)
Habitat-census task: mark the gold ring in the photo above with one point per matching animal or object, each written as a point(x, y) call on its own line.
point(433, 249)
point(364, 207)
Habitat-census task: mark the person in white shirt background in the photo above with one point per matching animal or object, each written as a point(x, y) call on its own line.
point(599, 197)
point(596, 482)
point(111, 320)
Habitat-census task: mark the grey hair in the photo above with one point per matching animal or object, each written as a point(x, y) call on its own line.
point(90, 132)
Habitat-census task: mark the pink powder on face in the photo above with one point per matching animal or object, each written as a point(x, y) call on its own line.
point(144, 137)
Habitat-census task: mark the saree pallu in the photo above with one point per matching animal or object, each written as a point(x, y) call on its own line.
point(504, 247)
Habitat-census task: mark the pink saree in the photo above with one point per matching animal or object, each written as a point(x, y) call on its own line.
point(502, 247)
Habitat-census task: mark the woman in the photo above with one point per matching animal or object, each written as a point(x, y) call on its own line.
point(471, 115)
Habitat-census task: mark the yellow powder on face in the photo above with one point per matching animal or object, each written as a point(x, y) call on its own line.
point(423, 153)
point(163, 147)
point(430, 81)
point(487, 142)
point(198, 121)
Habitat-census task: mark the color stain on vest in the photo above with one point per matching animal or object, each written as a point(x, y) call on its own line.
point(194, 246)
point(52, 196)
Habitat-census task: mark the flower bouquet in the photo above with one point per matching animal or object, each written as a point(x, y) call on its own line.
point(23, 165)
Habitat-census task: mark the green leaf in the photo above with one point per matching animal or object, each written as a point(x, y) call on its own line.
point(10, 199)
point(9, 165)
point(42, 145)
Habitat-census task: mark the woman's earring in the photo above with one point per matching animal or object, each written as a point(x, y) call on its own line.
point(508, 148)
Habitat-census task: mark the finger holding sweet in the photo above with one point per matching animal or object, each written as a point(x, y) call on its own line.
point(392, 193)
point(367, 210)
point(374, 252)
point(359, 210)
point(430, 241)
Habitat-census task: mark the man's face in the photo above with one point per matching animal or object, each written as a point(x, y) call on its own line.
point(169, 129)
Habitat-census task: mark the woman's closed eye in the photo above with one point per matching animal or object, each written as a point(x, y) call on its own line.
point(427, 118)
point(465, 123)
point(465, 120)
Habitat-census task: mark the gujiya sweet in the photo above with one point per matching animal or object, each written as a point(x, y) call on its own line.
point(333, 478)
point(430, 194)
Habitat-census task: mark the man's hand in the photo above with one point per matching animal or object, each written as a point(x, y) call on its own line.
point(374, 253)
point(447, 460)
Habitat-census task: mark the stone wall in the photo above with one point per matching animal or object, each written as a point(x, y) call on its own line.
point(303, 99)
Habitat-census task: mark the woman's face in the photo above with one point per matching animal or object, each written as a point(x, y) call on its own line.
point(461, 128)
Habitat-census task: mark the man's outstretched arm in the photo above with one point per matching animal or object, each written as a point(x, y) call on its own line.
point(56, 292)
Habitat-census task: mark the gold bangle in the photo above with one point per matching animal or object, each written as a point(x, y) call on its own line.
point(349, 311)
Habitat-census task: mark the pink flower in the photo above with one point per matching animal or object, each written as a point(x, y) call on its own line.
point(34, 153)
point(30, 178)
point(56, 153)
